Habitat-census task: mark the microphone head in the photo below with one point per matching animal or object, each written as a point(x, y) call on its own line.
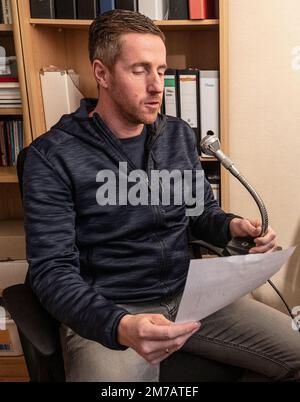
point(210, 144)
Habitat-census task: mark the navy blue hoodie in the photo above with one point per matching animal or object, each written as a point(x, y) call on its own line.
point(85, 258)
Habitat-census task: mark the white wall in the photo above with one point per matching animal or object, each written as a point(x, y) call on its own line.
point(264, 93)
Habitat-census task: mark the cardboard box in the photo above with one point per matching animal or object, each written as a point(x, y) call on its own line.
point(12, 240)
point(10, 344)
point(13, 269)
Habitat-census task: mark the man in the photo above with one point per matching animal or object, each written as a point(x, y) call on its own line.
point(112, 272)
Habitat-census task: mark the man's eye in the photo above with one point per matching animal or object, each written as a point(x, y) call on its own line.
point(138, 71)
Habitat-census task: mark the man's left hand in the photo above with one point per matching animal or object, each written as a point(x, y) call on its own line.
point(251, 227)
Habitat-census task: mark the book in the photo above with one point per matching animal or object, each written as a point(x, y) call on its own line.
point(10, 81)
point(154, 9)
point(6, 10)
point(12, 97)
point(10, 93)
point(11, 141)
point(214, 181)
point(127, 5)
point(10, 106)
point(188, 93)
point(201, 9)
point(9, 84)
point(178, 10)
point(106, 5)
point(209, 104)
point(65, 9)
point(8, 65)
point(87, 9)
point(60, 94)
point(170, 93)
point(1, 21)
point(10, 101)
point(42, 9)
point(217, 9)
point(3, 159)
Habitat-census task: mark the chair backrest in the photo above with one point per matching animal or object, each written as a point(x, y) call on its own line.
point(20, 171)
point(20, 167)
point(38, 330)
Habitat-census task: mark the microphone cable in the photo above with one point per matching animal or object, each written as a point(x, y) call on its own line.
point(295, 320)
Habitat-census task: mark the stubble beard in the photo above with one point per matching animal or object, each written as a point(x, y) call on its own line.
point(135, 116)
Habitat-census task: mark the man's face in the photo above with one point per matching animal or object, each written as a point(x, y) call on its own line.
point(136, 82)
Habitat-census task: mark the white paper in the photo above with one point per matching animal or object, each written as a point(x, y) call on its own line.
point(214, 283)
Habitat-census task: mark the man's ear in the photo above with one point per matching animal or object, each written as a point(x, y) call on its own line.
point(101, 73)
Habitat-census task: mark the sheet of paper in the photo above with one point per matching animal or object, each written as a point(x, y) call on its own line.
point(216, 282)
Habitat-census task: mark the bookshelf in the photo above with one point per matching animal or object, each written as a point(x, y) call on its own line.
point(13, 368)
point(166, 25)
point(9, 175)
point(6, 27)
point(10, 202)
point(11, 112)
point(43, 42)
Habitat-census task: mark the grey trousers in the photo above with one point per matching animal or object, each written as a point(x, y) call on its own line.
point(246, 334)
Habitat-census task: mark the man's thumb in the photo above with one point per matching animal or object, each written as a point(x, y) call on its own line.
point(255, 230)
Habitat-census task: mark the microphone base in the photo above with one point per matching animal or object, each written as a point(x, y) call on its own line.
point(238, 246)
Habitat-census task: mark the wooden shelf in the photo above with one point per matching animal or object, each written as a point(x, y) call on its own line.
point(6, 27)
point(8, 175)
point(188, 24)
point(13, 369)
point(167, 25)
point(11, 111)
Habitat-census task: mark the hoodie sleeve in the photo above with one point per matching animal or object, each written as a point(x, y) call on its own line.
point(212, 225)
point(53, 257)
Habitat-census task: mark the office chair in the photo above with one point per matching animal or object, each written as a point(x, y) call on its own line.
point(39, 334)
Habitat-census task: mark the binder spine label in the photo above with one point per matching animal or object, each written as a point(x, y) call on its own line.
point(170, 96)
point(188, 99)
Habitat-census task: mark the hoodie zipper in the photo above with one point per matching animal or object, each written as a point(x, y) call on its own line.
point(149, 154)
point(121, 154)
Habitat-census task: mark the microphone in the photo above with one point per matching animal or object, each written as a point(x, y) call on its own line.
point(210, 145)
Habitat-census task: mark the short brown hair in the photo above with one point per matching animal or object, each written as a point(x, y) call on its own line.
point(106, 29)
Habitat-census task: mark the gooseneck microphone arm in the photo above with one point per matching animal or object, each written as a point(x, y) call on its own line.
point(211, 145)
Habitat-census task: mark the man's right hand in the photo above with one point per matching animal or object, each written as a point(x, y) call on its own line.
point(153, 336)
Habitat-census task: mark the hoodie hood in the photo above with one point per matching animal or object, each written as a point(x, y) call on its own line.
point(93, 130)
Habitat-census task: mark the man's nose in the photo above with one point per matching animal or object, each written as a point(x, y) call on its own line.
point(156, 83)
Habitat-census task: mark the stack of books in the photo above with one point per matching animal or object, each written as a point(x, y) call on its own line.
point(154, 9)
point(11, 141)
point(10, 96)
point(5, 12)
